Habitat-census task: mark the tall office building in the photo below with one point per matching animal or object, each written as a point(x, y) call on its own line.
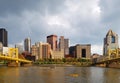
point(64, 44)
point(110, 42)
point(3, 37)
point(61, 42)
point(52, 40)
point(27, 45)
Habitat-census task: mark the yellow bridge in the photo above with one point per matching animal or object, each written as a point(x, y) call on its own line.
point(13, 56)
point(112, 58)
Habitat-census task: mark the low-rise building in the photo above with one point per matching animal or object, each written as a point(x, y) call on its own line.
point(81, 51)
point(58, 54)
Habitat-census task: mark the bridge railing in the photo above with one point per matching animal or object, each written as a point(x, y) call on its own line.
point(112, 54)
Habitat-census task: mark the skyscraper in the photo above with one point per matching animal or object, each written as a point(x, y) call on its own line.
point(66, 46)
point(27, 45)
point(61, 42)
point(110, 42)
point(52, 40)
point(3, 37)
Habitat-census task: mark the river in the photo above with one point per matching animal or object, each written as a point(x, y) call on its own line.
point(37, 74)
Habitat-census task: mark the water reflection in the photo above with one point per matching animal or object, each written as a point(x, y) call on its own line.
point(37, 74)
point(112, 76)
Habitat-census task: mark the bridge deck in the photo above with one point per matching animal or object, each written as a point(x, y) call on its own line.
point(14, 59)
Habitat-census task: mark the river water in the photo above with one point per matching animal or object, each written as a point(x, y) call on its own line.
point(36, 74)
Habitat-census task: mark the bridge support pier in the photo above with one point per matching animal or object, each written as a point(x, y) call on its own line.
point(13, 64)
point(26, 64)
point(115, 64)
point(101, 65)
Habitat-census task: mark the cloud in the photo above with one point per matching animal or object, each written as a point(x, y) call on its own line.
point(99, 49)
point(110, 15)
point(82, 21)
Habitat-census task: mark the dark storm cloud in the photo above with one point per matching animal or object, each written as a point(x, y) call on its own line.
point(23, 18)
point(18, 6)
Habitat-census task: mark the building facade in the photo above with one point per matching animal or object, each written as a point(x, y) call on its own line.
point(41, 50)
point(34, 51)
point(4, 37)
point(61, 42)
point(81, 51)
point(64, 45)
point(58, 54)
point(27, 45)
point(52, 40)
point(1, 48)
point(110, 42)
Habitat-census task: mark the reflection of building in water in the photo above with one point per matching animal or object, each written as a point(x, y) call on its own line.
point(81, 51)
point(111, 76)
point(49, 75)
point(110, 41)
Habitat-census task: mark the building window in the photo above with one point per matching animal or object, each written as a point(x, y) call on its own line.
point(113, 39)
point(84, 53)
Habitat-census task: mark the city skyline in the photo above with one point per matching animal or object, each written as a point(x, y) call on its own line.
point(83, 22)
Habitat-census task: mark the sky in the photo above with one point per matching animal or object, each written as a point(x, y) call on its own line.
point(82, 21)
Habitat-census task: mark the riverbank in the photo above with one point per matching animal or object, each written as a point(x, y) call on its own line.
point(64, 65)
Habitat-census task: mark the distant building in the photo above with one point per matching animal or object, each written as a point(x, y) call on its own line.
point(4, 37)
point(80, 51)
point(57, 54)
point(72, 51)
point(52, 40)
point(95, 57)
point(1, 48)
point(41, 50)
point(27, 45)
point(61, 42)
point(64, 45)
point(20, 48)
point(5, 51)
point(110, 42)
point(12, 52)
point(58, 50)
point(34, 51)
